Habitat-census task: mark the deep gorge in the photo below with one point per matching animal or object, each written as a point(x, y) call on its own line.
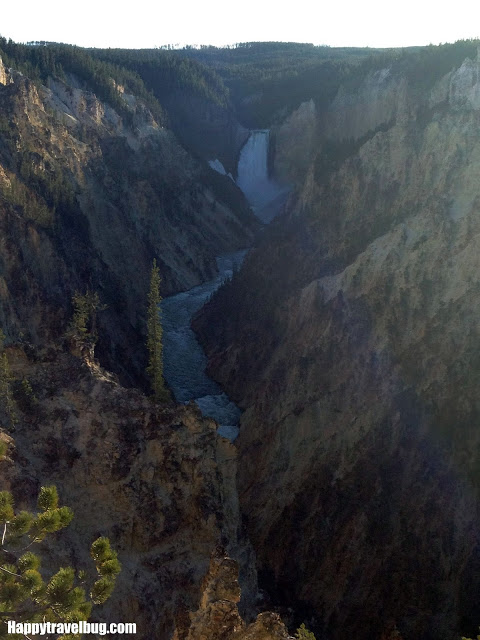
point(185, 362)
point(347, 338)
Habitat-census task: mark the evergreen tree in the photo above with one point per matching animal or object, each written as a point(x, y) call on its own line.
point(6, 395)
point(83, 327)
point(154, 337)
point(303, 633)
point(25, 596)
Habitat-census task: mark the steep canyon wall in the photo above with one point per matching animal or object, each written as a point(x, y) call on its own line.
point(88, 200)
point(350, 338)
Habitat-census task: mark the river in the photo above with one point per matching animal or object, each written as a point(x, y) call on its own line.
point(184, 359)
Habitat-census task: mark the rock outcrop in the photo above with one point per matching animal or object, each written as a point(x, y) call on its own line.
point(4, 74)
point(218, 618)
point(156, 480)
point(350, 339)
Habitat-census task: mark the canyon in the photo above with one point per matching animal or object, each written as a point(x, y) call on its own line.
point(134, 193)
point(358, 466)
point(346, 335)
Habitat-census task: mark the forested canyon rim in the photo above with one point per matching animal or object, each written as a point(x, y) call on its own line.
point(349, 337)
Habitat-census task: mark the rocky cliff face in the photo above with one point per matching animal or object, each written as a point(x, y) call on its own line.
point(350, 339)
point(87, 199)
point(217, 618)
point(90, 200)
point(294, 144)
point(4, 75)
point(210, 130)
point(157, 481)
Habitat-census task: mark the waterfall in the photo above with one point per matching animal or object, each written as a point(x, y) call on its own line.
point(261, 192)
point(184, 359)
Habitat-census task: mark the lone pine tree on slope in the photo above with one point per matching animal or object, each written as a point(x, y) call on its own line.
point(6, 395)
point(154, 337)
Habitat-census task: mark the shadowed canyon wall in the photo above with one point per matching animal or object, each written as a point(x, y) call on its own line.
point(88, 198)
point(350, 338)
point(88, 201)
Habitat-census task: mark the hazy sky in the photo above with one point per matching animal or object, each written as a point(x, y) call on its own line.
point(138, 23)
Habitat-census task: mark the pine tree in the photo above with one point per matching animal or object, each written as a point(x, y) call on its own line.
point(25, 596)
point(154, 337)
point(303, 633)
point(83, 326)
point(6, 395)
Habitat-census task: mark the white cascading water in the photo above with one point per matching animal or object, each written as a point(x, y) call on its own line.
point(263, 193)
point(217, 166)
point(184, 359)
